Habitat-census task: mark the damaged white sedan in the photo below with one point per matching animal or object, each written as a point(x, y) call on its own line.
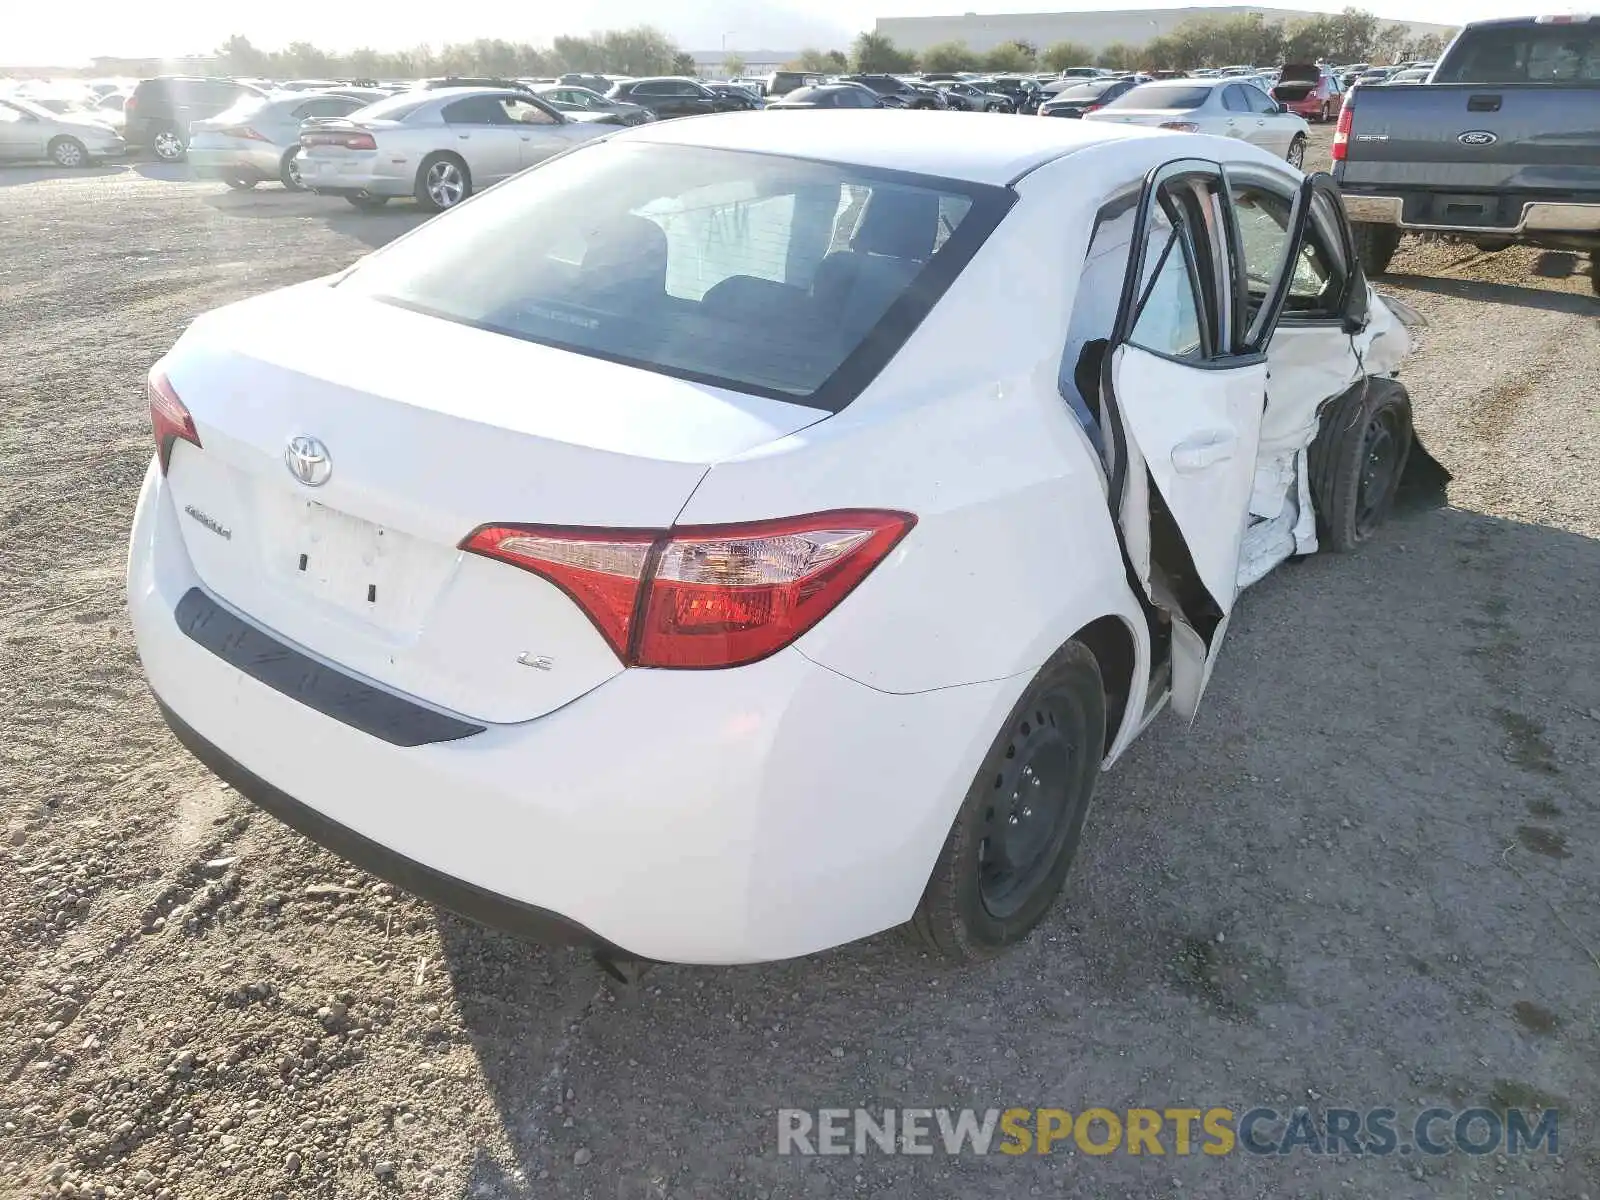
point(737, 537)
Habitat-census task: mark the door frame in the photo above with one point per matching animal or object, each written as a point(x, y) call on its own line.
point(1231, 339)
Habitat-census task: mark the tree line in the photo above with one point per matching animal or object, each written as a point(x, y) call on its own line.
point(1351, 36)
point(638, 51)
point(1244, 38)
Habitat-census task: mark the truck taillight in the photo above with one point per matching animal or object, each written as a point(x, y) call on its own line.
point(1341, 131)
point(703, 596)
point(169, 419)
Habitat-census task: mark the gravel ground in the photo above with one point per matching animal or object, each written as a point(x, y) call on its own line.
point(1365, 877)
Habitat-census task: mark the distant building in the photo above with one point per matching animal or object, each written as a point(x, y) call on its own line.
point(1096, 30)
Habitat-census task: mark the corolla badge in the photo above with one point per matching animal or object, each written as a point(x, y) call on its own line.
point(308, 461)
point(1477, 137)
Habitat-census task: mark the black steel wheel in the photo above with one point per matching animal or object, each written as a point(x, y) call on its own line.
point(1358, 460)
point(1014, 839)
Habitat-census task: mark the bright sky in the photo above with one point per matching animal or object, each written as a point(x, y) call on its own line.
point(41, 34)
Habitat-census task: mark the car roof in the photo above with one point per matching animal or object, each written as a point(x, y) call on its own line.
point(973, 147)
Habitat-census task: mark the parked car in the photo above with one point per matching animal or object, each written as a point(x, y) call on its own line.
point(829, 95)
point(31, 132)
point(159, 111)
point(1026, 93)
point(969, 97)
point(1409, 75)
point(1080, 99)
point(1222, 106)
point(1309, 91)
point(107, 109)
point(743, 99)
point(570, 98)
point(437, 146)
point(897, 91)
point(674, 96)
point(1498, 147)
point(587, 79)
point(258, 139)
point(781, 83)
point(786, 537)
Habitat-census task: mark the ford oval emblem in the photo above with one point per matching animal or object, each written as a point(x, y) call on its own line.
point(1477, 137)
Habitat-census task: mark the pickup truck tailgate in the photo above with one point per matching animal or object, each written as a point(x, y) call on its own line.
point(1470, 137)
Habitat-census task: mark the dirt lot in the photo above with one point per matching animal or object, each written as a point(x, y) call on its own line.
point(1365, 878)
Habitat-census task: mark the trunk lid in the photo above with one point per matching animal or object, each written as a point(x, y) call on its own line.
point(431, 429)
point(1472, 137)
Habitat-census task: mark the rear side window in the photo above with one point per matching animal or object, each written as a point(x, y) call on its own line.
point(786, 278)
point(1525, 54)
point(326, 106)
point(1155, 95)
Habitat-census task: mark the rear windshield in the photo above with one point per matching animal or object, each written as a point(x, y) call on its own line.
point(1084, 91)
point(782, 277)
point(1525, 54)
point(394, 108)
point(1160, 95)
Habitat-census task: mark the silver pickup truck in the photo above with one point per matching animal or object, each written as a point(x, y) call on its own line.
point(1500, 147)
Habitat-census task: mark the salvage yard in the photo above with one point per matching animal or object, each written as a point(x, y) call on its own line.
point(1375, 885)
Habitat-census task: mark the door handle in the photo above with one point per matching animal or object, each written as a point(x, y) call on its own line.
point(463, 136)
point(1483, 103)
point(1202, 451)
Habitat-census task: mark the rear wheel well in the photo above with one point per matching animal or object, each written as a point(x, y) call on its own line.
point(1110, 641)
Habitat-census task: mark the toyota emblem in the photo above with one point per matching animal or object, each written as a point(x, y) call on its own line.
point(308, 461)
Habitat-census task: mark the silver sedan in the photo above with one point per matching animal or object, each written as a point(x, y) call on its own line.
point(258, 139)
point(437, 146)
point(30, 131)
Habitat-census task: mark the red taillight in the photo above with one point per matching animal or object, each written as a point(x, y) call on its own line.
point(244, 131)
point(169, 419)
point(1341, 131)
point(1181, 126)
point(349, 141)
point(1094, 108)
point(703, 596)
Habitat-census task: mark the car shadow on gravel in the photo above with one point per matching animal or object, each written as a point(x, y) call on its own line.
point(1498, 293)
point(1326, 887)
point(14, 176)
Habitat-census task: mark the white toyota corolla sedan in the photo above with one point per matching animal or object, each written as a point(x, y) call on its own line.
point(736, 537)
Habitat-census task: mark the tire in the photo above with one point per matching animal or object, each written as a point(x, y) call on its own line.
point(1323, 117)
point(289, 171)
point(1357, 461)
point(1296, 157)
point(1594, 271)
point(240, 184)
point(979, 898)
point(443, 181)
point(68, 152)
point(367, 203)
point(168, 145)
point(1375, 245)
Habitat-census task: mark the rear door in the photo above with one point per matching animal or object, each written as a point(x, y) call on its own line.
point(485, 137)
point(1185, 385)
point(541, 131)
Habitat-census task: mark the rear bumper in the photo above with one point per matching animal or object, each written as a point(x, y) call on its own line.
point(1533, 217)
point(368, 176)
point(225, 162)
point(687, 816)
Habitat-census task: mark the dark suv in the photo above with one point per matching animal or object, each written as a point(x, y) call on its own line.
point(897, 91)
point(674, 96)
point(160, 110)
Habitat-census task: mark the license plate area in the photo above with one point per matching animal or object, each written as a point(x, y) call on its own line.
point(349, 563)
